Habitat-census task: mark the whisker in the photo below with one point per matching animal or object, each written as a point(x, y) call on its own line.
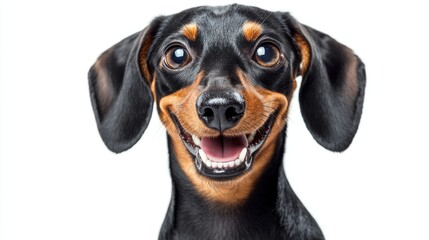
point(265, 19)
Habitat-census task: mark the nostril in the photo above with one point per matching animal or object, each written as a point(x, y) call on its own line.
point(208, 114)
point(234, 113)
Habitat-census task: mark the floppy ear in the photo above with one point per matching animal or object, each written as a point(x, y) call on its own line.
point(332, 89)
point(120, 93)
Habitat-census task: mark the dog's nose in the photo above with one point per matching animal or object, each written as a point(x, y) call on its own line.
point(220, 109)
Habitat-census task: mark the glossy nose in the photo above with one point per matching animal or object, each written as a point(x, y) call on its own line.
point(220, 109)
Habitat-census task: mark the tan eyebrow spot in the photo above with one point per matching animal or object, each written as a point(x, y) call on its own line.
point(190, 31)
point(252, 30)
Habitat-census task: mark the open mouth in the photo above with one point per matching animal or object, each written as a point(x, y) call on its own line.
point(224, 157)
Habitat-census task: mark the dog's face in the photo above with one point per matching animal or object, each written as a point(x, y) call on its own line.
point(222, 83)
point(223, 79)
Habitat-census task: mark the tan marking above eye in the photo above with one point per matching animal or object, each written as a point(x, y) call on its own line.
point(252, 30)
point(190, 31)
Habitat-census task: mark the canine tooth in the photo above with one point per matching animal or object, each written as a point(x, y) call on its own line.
point(225, 164)
point(237, 162)
point(251, 137)
point(196, 140)
point(208, 163)
point(203, 155)
point(231, 163)
point(242, 154)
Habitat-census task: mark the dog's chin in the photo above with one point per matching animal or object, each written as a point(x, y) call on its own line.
point(224, 157)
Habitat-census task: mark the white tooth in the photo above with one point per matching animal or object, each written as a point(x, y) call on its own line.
point(225, 165)
point(231, 164)
point(237, 162)
point(217, 165)
point(251, 137)
point(209, 163)
point(196, 140)
point(242, 154)
point(203, 155)
point(214, 164)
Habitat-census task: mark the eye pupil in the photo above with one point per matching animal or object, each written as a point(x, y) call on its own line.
point(265, 53)
point(178, 56)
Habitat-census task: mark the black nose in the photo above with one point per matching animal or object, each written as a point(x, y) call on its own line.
point(220, 109)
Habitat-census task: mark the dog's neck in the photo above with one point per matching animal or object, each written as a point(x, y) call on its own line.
point(272, 210)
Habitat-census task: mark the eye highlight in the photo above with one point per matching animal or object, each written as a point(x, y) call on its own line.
point(176, 57)
point(267, 55)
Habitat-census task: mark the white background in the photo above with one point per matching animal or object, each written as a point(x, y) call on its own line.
point(58, 180)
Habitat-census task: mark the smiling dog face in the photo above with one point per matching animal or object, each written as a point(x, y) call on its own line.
point(223, 78)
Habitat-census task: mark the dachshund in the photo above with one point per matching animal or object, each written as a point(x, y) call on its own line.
point(223, 79)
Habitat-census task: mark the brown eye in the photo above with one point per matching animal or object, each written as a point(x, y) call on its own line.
point(267, 55)
point(176, 57)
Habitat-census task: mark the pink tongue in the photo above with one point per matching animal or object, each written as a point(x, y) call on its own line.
point(223, 149)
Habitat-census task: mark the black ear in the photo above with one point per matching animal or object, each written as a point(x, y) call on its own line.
point(120, 93)
point(332, 89)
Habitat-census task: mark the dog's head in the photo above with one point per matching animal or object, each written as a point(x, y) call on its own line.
point(223, 78)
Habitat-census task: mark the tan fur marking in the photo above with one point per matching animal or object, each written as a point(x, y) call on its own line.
point(252, 30)
point(305, 49)
point(190, 31)
point(152, 87)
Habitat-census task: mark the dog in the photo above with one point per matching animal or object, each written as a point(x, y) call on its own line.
point(223, 79)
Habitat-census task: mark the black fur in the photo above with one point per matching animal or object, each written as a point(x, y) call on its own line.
point(330, 111)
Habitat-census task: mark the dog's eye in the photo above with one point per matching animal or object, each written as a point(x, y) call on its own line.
point(177, 57)
point(267, 55)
